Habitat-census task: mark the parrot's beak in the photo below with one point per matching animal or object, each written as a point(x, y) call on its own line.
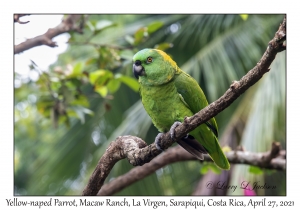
point(138, 69)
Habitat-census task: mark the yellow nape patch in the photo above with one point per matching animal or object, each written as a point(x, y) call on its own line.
point(167, 57)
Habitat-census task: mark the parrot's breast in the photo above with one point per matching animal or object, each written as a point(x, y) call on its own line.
point(164, 105)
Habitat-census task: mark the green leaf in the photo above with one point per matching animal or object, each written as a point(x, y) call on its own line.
point(45, 104)
point(80, 112)
point(163, 46)
point(129, 81)
point(77, 69)
point(244, 16)
point(102, 25)
point(113, 85)
point(87, 111)
point(90, 25)
point(210, 166)
point(99, 77)
point(127, 54)
point(80, 100)
point(55, 85)
point(129, 39)
point(204, 169)
point(145, 31)
point(255, 170)
point(215, 169)
point(139, 35)
point(93, 76)
point(102, 91)
point(91, 61)
point(72, 83)
point(154, 26)
point(71, 112)
point(64, 119)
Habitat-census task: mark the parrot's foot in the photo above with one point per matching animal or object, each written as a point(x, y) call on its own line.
point(157, 141)
point(172, 134)
point(172, 130)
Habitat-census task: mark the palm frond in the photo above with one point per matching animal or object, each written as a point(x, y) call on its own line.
point(266, 119)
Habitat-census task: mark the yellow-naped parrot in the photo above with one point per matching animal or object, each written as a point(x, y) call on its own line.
point(169, 95)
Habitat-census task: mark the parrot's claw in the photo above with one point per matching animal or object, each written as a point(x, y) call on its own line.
point(172, 130)
point(157, 141)
point(172, 134)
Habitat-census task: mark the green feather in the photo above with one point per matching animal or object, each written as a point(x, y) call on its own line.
point(169, 95)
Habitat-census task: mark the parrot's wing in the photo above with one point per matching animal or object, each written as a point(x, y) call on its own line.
point(193, 96)
point(195, 100)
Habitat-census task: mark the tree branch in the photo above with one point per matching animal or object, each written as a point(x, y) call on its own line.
point(17, 18)
point(141, 155)
point(119, 149)
point(67, 24)
point(273, 159)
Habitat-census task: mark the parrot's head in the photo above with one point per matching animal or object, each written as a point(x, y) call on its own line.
point(153, 67)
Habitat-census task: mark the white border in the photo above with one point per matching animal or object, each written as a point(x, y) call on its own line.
point(153, 6)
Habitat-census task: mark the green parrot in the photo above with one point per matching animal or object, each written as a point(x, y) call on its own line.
point(169, 95)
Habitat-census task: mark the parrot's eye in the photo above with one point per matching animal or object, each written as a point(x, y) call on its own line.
point(149, 60)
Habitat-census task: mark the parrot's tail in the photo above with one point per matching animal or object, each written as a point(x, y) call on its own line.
point(218, 156)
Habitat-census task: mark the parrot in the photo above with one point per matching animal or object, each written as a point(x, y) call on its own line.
point(168, 95)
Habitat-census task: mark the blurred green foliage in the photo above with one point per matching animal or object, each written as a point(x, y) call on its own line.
point(65, 120)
